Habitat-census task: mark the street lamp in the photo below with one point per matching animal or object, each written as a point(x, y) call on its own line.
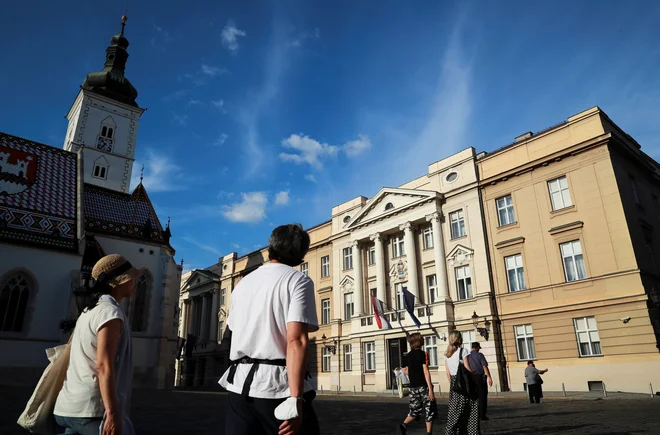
point(331, 347)
point(484, 332)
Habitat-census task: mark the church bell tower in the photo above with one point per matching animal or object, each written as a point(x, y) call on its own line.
point(103, 120)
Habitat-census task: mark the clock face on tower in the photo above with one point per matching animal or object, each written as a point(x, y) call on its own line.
point(104, 144)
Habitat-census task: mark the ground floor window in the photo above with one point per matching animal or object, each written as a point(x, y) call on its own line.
point(370, 356)
point(326, 361)
point(348, 357)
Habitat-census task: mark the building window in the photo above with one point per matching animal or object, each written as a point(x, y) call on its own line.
point(349, 307)
point(427, 234)
point(463, 283)
point(389, 206)
point(469, 337)
point(304, 268)
point(325, 266)
point(559, 194)
point(431, 348)
point(432, 286)
point(457, 224)
point(140, 305)
point(106, 136)
point(223, 297)
point(588, 339)
point(348, 258)
point(525, 342)
point(327, 360)
point(398, 247)
point(325, 311)
point(100, 171)
point(505, 210)
point(348, 357)
point(515, 272)
point(372, 293)
point(221, 326)
point(571, 253)
point(14, 297)
point(633, 185)
point(451, 177)
point(370, 356)
point(400, 287)
point(372, 255)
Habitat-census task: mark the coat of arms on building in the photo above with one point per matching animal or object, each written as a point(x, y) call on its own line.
point(347, 285)
point(399, 270)
point(460, 255)
point(17, 170)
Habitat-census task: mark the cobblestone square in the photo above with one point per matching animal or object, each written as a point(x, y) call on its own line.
point(172, 412)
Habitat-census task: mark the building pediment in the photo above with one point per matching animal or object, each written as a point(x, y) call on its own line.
point(347, 284)
point(460, 255)
point(198, 278)
point(390, 201)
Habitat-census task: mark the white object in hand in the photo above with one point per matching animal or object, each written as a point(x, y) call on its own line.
point(287, 410)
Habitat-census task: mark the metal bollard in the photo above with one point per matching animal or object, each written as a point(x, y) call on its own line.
point(393, 390)
point(354, 387)
point(321, 389)
point(651, 388)
point(337, 389)
point(604, 390)
point(497, 389)
point(563, 389)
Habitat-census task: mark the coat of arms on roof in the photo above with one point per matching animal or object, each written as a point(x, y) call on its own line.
point(18, 170)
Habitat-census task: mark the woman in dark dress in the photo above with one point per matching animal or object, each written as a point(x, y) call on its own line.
point(422, 400)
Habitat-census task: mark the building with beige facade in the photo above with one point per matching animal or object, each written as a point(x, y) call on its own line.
point(573, 222)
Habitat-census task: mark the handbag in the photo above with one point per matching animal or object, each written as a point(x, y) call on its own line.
point(38, 414)
point(463, 383)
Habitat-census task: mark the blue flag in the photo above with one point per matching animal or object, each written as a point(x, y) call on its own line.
point(409, 301)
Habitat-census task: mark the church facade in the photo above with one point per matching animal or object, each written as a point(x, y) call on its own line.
point(63, 209)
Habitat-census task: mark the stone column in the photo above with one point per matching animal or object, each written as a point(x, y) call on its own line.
point(411, 254)
point(358, 295)
point(185, 318)
point(381, 291)
point(204, 328)
point(214, 316)
point(439, 255)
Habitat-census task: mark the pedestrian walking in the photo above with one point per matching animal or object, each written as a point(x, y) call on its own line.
point(463, 414)
point(534, 382)
point(420, 390)
point(481, 377)
point(273, 309)
point(96, 395)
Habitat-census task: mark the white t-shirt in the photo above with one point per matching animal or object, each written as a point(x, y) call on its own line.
point(455, 359)
point(80, 395)
point(261, 306)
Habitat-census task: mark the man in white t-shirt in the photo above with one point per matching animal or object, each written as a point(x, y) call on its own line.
point(272, 311)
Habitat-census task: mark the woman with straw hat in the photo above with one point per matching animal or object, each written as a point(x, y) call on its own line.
point(95, 397)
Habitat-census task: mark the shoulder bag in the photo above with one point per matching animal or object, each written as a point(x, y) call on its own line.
point(463, 383)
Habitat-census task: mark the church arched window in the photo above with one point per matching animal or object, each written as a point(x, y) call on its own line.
point(140, 311)
point(105, 140)
point(100, 169)
point(14, 297)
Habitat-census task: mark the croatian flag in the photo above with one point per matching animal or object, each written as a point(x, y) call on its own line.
point(409, 302)
point(379, 313)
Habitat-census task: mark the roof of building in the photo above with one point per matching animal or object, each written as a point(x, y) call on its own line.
point(122, 214)
point(38, 192)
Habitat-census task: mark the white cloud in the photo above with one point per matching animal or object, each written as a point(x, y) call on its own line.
point(221, 140)
point(310, 150)
point(193, 102)
point(223, 194)
point(282, 198)
point(230, 36)
point(160, 173)
point(300, 40)
point(175, 95)
point(203, 246)
point(179, 118)
point(218, 103)
point(310, 177)
point(161, 38)
point(236, 245)
point(356, 147)
point(213, 71)
point(251, 209)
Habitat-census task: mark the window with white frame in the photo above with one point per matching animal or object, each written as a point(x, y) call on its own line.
point(221, 326)
point(515, 272)
point(457, 222)
point(14, 297)
point(633, 185)
point(400, 304)
point(325, 266)
point(588, 339)
point(571, 253)
point(469, 337)
point(505, 210)
point(223, 297)
point(370, 356)
point(432, 287)
point(304, 268)
point(325, 311)
point(327, 360)
point(431, 348)
point(372, 255)
point(348, 357)
point(349, 307)
point(427, 236)
point(398, 247)
point(348, 258)
point(463, 283)
point(525, 342)
point(559, 193)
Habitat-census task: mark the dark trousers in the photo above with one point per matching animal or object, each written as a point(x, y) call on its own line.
point(535, 393)
point(482, 391)
point(250, 416)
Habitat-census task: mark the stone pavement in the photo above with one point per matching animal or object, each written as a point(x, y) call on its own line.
point(173, 412)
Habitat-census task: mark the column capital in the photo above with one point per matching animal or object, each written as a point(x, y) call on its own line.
point(355, 243)
point(377, 237)
point(435, 216)
point(406, 226)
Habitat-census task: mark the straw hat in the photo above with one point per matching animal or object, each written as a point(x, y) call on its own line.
point(114, 270)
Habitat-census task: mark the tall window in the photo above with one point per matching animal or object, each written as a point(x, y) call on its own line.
point(106, 135)
point(223, 297)
point(525, 342)
point(348, 357)
point(400, 305)
point(427, 234)
point(372, 255)
point(221, 326)
point(633, 185)
point(432, 286)
point(349, 307)
point(463, 283)
point(515, 273)
point(571, 253)
point(325, 311)
point(469, 337)
point(100, 171)
point(457, 224)
point(304, 268)
point(372, 293)
point(325, 266)
point(140, 304)
point(348, 258)
point(14, 297)
point(370, 356)
point(398, 247)
point(559, 194)
point(431, 348)
point(327, 360)
point(505, 210)
point(588, 339)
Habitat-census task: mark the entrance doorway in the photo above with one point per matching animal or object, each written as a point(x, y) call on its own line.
point(397, 350)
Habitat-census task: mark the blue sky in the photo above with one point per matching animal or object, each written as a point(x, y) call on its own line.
point(262, 113)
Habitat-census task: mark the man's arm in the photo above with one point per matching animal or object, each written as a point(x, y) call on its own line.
point(296, 355)
point(427, 376)
point(107, 341)
point(490, 378)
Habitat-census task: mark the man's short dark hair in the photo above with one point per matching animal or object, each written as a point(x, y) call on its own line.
point(530, 362)
point(288, 244)
point(476, 345)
